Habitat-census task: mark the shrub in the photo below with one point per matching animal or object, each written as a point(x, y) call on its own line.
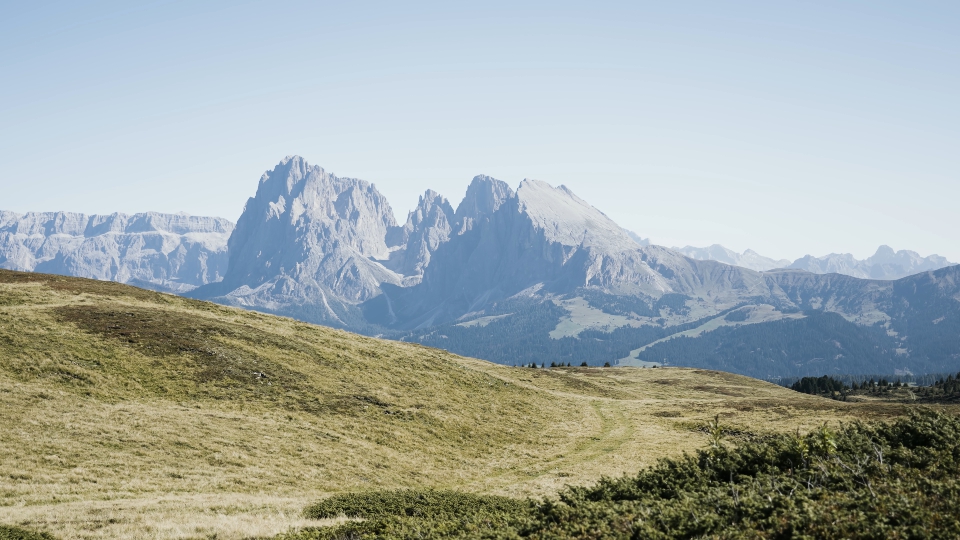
point(16, 533)
point(410, 502)
point(416, 514)
point(860, 481)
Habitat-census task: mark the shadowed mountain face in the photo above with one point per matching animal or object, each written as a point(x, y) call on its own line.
point(166, 252)
point(538, 274)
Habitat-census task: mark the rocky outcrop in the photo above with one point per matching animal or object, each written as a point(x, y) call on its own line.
point(308, 245)
point(485, 195)
point(540, 235)
point(167, 252)
point(428, 226)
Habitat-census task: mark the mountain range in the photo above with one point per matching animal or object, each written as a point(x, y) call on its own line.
point(537, 274)
point(167, 252)
point(884, 264)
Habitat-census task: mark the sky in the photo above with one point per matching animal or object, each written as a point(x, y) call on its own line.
point(790, 127)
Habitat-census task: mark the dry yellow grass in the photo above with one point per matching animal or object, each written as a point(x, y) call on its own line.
point(131, 414)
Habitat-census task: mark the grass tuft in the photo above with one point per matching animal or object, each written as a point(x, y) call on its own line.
point(16, 533)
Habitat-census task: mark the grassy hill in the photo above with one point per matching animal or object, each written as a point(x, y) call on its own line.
point(128, 413)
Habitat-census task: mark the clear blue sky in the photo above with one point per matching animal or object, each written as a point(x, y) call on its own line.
point(786, 127)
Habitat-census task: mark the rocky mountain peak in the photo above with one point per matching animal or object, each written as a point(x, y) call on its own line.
point(308, 237)
point(432, 207)
point(568, 219)
point(296, 194)
point(428, 226)
point(484, 196)
point(884, 253)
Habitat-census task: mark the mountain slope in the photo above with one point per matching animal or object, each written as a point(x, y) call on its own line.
point(127, 413)
point(847, 326)
point(169, 252)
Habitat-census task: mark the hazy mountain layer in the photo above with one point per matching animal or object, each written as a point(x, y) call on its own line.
point(748, 259)
point(884, 264)
point(169, 252)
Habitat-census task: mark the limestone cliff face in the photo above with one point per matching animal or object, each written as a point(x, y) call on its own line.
point(167, 252)
point(428, 227)
point(308, 240)
point(485, 195)
point(540, 236)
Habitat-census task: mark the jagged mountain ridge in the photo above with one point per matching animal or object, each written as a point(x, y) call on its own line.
point(428, 226)
point(315, 246)
point(538, 263)
point(748, 259)
point(884, 264)
point(308, 245)
point(537, 235)
point(327, 249)
point(167, 252)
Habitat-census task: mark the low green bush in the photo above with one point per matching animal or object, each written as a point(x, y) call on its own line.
point(412, 503)
point(8, 532)
point(861, 481)
point(423, 514)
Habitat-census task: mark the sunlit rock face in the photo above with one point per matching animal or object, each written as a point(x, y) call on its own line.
point(308, 244)
point(428, 227)
point(541, 237)
point(167, 252)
